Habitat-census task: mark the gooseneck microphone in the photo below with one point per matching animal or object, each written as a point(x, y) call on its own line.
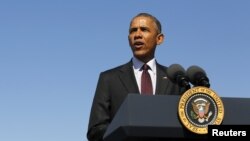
point(198, 76)
point(176, 73)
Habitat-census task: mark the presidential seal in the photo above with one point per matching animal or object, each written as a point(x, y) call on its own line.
point(200, 107)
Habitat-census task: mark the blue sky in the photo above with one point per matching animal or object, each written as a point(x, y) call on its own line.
point(52, 51)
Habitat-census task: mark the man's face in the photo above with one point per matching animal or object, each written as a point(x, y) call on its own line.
point(143, 38)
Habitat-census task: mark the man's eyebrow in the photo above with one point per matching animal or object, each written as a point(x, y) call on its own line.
point(144, 27)
point(133, 28)
point(140, 27)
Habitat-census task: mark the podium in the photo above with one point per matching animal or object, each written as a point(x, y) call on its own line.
point(155, 118)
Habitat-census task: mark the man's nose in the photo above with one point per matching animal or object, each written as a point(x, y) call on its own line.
point(138, 34)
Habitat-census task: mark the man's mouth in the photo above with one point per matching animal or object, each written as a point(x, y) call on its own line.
point(138, 44)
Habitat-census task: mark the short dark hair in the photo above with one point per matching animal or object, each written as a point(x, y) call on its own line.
point(157, 22)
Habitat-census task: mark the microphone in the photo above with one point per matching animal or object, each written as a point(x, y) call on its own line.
point(176, 73)
point(198, 76)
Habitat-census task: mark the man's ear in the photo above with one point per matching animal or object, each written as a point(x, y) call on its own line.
point(160, 38)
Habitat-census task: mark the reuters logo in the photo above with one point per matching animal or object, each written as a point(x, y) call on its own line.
point(200, 107)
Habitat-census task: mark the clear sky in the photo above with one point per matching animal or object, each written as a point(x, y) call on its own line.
point(52, 51)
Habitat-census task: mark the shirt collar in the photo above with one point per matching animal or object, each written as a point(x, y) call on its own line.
point(137, 64)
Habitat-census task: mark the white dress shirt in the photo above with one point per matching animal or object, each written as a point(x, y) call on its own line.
point(137, 64)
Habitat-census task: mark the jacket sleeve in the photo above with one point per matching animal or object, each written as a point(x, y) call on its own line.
point(100, 111)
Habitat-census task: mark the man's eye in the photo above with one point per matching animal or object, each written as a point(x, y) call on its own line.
point(132, 30)
point(144, 29)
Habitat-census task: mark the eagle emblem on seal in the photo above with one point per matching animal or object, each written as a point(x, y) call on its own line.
point(200, 110)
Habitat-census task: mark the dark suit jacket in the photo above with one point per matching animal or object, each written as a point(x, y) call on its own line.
point(112, 88)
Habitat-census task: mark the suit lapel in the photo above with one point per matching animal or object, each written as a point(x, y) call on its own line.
point(128, 78)
point(162, 80)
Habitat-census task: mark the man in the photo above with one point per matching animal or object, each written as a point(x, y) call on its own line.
point(115, 84)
